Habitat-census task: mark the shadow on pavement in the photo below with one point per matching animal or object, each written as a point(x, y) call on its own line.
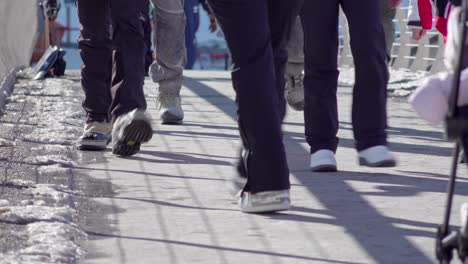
point(375, 233)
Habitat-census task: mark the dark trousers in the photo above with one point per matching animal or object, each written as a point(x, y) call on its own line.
point(112, 48)
point(255, 31)
point(369, 118)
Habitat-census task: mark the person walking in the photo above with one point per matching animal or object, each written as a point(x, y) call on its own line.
point(255, 31)
point(171, 58)
point(369, 116)
point(294, 90)
point(112, 75)
point(192, 14)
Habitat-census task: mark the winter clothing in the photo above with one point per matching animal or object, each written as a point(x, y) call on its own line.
point(369, 115)
point(430, 100)
point(256, 31)
point(420, 14)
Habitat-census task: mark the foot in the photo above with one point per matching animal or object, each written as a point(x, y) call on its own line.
point(294, 92)
point(130, 130)
point(263, 202)
point(323, 161)
point(96, 136)
point(377, 156)
point(170, 109)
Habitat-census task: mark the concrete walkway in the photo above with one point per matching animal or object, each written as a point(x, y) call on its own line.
point(169, 203)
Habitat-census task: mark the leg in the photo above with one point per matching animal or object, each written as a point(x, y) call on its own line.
point(190, 32)
point(131, 126)
point(129, 56)
point(388, 14)
point(294, 89)
point(255, 84)
point(282, 15)
point(169, 44)
point(321, 74)
point(171, 58)
point(369, 95)
point(295, 49)
point(96, 53)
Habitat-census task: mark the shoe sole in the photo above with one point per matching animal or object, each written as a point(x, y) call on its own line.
point(324, 168)
point(297, 106)
point(268, 208)
point(380, 164)
point(137, 132)
point(169, 119)
point(93, 146)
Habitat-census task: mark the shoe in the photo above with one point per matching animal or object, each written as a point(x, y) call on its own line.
point(130, 130)
point(96, 136)
point(323, 161)
point(170, 109)
point(377, 156)
point(263, 202)
point(294, 92)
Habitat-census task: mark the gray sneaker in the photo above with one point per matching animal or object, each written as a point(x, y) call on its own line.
point(129, 131)
point(96, 136)
point(294, 92)
point(264, 202)
point(170, 109)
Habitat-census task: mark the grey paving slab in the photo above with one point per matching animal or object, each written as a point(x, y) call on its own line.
point(169, 203)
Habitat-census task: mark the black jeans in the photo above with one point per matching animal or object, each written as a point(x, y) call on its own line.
point(256, 33)
point(112, 47)
point(369, 117)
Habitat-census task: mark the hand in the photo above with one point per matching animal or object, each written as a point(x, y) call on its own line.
point(213, 25)
point(418, 33)
point(394, 3)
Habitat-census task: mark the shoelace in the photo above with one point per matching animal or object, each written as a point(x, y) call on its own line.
point(297, 81)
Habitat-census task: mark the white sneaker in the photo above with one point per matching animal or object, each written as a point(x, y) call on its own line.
point(263, 202)
point(129, 131)
point(294, 92)
point(323, 161)
point(377, 156)
point(170, 109)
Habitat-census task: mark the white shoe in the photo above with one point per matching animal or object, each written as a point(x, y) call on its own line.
point(263, 202)
point(377, 156)
point(170, 109)
point(323, 161)
point(130, 130)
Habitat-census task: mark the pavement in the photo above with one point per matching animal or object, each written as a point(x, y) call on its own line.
point(169, 203)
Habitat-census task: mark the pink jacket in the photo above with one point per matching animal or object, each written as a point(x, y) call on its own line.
point(430, 100)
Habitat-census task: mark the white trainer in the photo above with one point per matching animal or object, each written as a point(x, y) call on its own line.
point(323, 161)
point(264, 202)
point(170, 109)
point(377, 156)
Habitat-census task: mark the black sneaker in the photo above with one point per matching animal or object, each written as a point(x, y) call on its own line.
point(129, 131)
point(96, 136)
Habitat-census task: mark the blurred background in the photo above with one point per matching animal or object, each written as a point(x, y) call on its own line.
point(211, 49)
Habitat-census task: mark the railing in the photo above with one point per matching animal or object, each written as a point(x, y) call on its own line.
point(423, 55)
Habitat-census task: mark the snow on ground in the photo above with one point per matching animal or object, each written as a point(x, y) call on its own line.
point(49, 217)
point(51, 230)
point(401, 84)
